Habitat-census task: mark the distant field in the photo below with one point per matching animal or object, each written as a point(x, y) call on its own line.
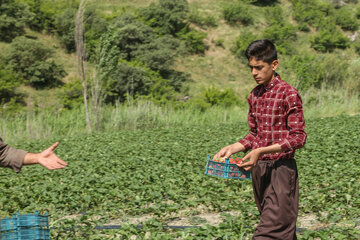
point(155, 178)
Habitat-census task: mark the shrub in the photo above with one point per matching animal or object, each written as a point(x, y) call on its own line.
point(30, 59)
point(357, 47)
point(329, 39)
point(311, 12)
point(193, 40)
point(346, 20)
point(225, 98)
point(241, 44)
point(282, 34)
point(307, 70)
point(8, 83)
point(71, 94)
point(317, 71)
point(238, 13)
point(44, 74)
point(202, 21)
point(133, 79)
point(357, 14)
point(65, 28)
point(13, 19)
point(166, 16)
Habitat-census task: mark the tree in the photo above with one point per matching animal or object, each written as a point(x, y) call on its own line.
point(13, 19)
point(80, 55)
point(166, 16)
point(31, 60)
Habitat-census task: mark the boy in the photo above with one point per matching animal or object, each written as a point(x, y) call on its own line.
point(277, 125)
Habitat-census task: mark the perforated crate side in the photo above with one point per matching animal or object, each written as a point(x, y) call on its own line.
point(34, 233)
point(8, 224)
point(32, 220)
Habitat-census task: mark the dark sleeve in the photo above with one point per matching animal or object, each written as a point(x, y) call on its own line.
point(11, 157)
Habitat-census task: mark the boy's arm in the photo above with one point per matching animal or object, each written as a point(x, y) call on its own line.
point(250, 137)
point(295, 123)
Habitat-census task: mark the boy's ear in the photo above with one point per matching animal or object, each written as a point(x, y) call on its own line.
point(275, 64)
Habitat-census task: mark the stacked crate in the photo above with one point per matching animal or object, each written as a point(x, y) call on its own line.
point(25, 227)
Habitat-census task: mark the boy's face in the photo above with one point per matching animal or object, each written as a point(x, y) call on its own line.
point(262, 72)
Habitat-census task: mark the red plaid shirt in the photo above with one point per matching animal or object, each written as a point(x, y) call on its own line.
point(275, 116)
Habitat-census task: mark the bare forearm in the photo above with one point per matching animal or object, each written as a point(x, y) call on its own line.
point(31, 158)
point(270, 149)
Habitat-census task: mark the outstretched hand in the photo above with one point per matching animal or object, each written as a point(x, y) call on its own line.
point(46, 158)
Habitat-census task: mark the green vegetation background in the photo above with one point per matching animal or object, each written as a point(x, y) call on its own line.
point(173, 73)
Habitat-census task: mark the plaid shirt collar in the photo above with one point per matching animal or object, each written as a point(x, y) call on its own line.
point(272, 83)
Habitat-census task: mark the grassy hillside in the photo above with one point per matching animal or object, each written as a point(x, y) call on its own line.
point(217, 66)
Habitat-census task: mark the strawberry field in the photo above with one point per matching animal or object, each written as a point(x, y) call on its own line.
point(150, 184)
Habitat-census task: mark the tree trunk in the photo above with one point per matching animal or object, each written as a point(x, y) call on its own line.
point(80, 54)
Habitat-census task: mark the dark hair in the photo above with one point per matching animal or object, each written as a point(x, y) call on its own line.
point(263, 50)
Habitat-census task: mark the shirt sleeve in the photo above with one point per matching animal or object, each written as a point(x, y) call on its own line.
point(250, 137)
point(11, 157)
point(295, 123)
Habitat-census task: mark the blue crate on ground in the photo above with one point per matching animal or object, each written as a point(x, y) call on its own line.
point(225, 170)
point(34, 220)
point(8, 223)
point(25, 227)
point(33, 233)
point(9, 235)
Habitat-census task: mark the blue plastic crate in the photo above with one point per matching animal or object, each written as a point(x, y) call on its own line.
point(25, 227)
point(34, 220)
point(225, 170)
point(33, 233)
point(9, 235)
point(8, 223)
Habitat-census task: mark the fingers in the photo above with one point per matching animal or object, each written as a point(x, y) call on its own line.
point(52, 147)
point(53, 164)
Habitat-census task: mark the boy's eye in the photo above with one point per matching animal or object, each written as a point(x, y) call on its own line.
point(256, 67)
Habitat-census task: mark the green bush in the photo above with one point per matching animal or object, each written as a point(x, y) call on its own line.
point(238, 13)
point(31, 60)
point(197, 103)
point(13, 19)
point(134, 79)
point(225, 98)
point(241, 44)
point(311, 12)
point(193, 40)
point(329, 39)
point(357, 47)
point(45, 12)
point(202, 21)
point(65, 28)
point(166, 16)
point(44, 74)
point(345, 19)
point(357, 14)
point(71, 94)
point(127, 42)
point(318, 70)
point(95, 26)
point(8, 83)
point(282, 34)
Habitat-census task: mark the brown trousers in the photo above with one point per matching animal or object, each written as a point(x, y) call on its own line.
point(276, 191)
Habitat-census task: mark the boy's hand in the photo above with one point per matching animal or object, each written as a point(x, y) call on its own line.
point(254, 156)
point(229, 150)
